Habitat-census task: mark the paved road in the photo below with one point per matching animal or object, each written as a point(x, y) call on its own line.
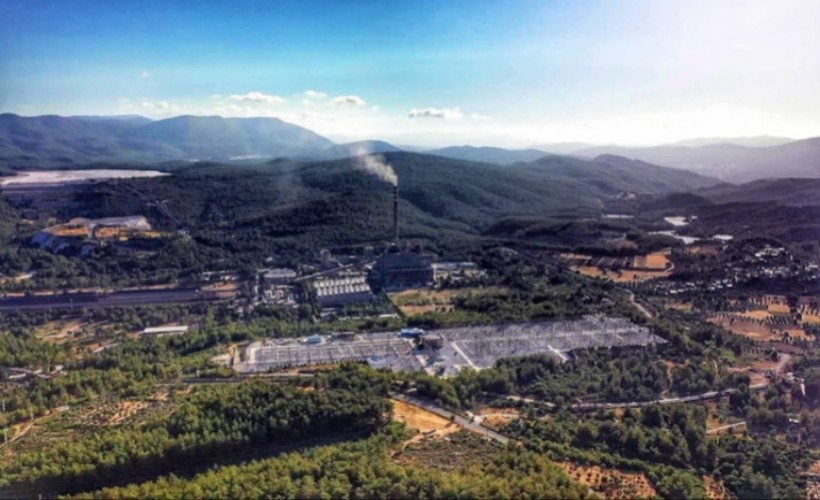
point(464, 422)
point(115, 299)
point(706, 396)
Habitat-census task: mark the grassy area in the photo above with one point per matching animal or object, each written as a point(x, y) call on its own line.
point(415, 302)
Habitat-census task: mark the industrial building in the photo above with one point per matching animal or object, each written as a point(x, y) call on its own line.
point(162, 331)
point(339, 291)
point(398, 270)
point(280, 276)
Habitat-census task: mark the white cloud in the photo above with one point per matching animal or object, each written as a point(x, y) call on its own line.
point(315, 94)
point(445, 113)
point(145, 74)
point(257, 97)
point(349, 100)
point(479, 118)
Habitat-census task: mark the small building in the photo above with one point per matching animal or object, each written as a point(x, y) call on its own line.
point(314, 339)
point(162, 331)
point(411, 333)
point(432, 341)
point(278, 276)
point(345, 336)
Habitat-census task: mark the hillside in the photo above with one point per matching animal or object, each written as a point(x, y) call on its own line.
point(286, 207)
point(346, 150)
point(498, 156)
point(788, 192)
point(48, 141)
point(729, 162)
point(612, 175)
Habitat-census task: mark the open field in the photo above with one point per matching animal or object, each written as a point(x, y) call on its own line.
point(758, 328)
point(611, 483)
point(458, 450)
point(423, 300)
point(624, 276)
point(58, 332)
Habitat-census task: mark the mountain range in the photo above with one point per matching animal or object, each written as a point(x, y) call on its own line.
point(499, 156)
point(54, 141)
point(59, 141)
point(730, 162)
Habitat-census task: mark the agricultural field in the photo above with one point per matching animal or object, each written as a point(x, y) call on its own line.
point(611, 483)
point(770, 318)
point(625, 276)
point(657, 261)
point(423, 300)
point(639, 268)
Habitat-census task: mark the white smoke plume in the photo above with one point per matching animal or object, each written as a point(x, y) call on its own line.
point(375, 165)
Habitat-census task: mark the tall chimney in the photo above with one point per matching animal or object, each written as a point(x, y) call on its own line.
point(396, 214)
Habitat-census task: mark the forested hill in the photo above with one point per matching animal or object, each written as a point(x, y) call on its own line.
point(499, 156)
point(301, 206)
point(731, 162)
point(789, 192)
point(48, 141)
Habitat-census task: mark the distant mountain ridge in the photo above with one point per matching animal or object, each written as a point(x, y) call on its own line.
point(729, 162)
point(488, 154)
point(788, 192)
point(758, 141)
point(60, 141)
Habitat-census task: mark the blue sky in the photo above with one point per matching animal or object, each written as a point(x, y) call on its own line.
point(495, 72)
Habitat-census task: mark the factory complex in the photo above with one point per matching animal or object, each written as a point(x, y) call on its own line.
point(446, 351)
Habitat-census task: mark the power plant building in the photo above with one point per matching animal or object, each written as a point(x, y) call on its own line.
point(396, 270)
point(334, 292)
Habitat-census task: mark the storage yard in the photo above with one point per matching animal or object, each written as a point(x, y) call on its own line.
point(446, 351)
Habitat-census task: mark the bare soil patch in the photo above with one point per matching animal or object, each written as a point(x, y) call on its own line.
point(497, 418)
point(715, 490)
point(426, 422)
point(623, 276)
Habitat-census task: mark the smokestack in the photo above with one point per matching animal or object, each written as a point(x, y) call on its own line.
point(396, 214)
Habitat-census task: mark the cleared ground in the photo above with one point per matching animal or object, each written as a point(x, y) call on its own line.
point(424, 421)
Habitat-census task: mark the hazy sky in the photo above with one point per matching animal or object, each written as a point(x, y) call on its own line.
point(440, 72)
